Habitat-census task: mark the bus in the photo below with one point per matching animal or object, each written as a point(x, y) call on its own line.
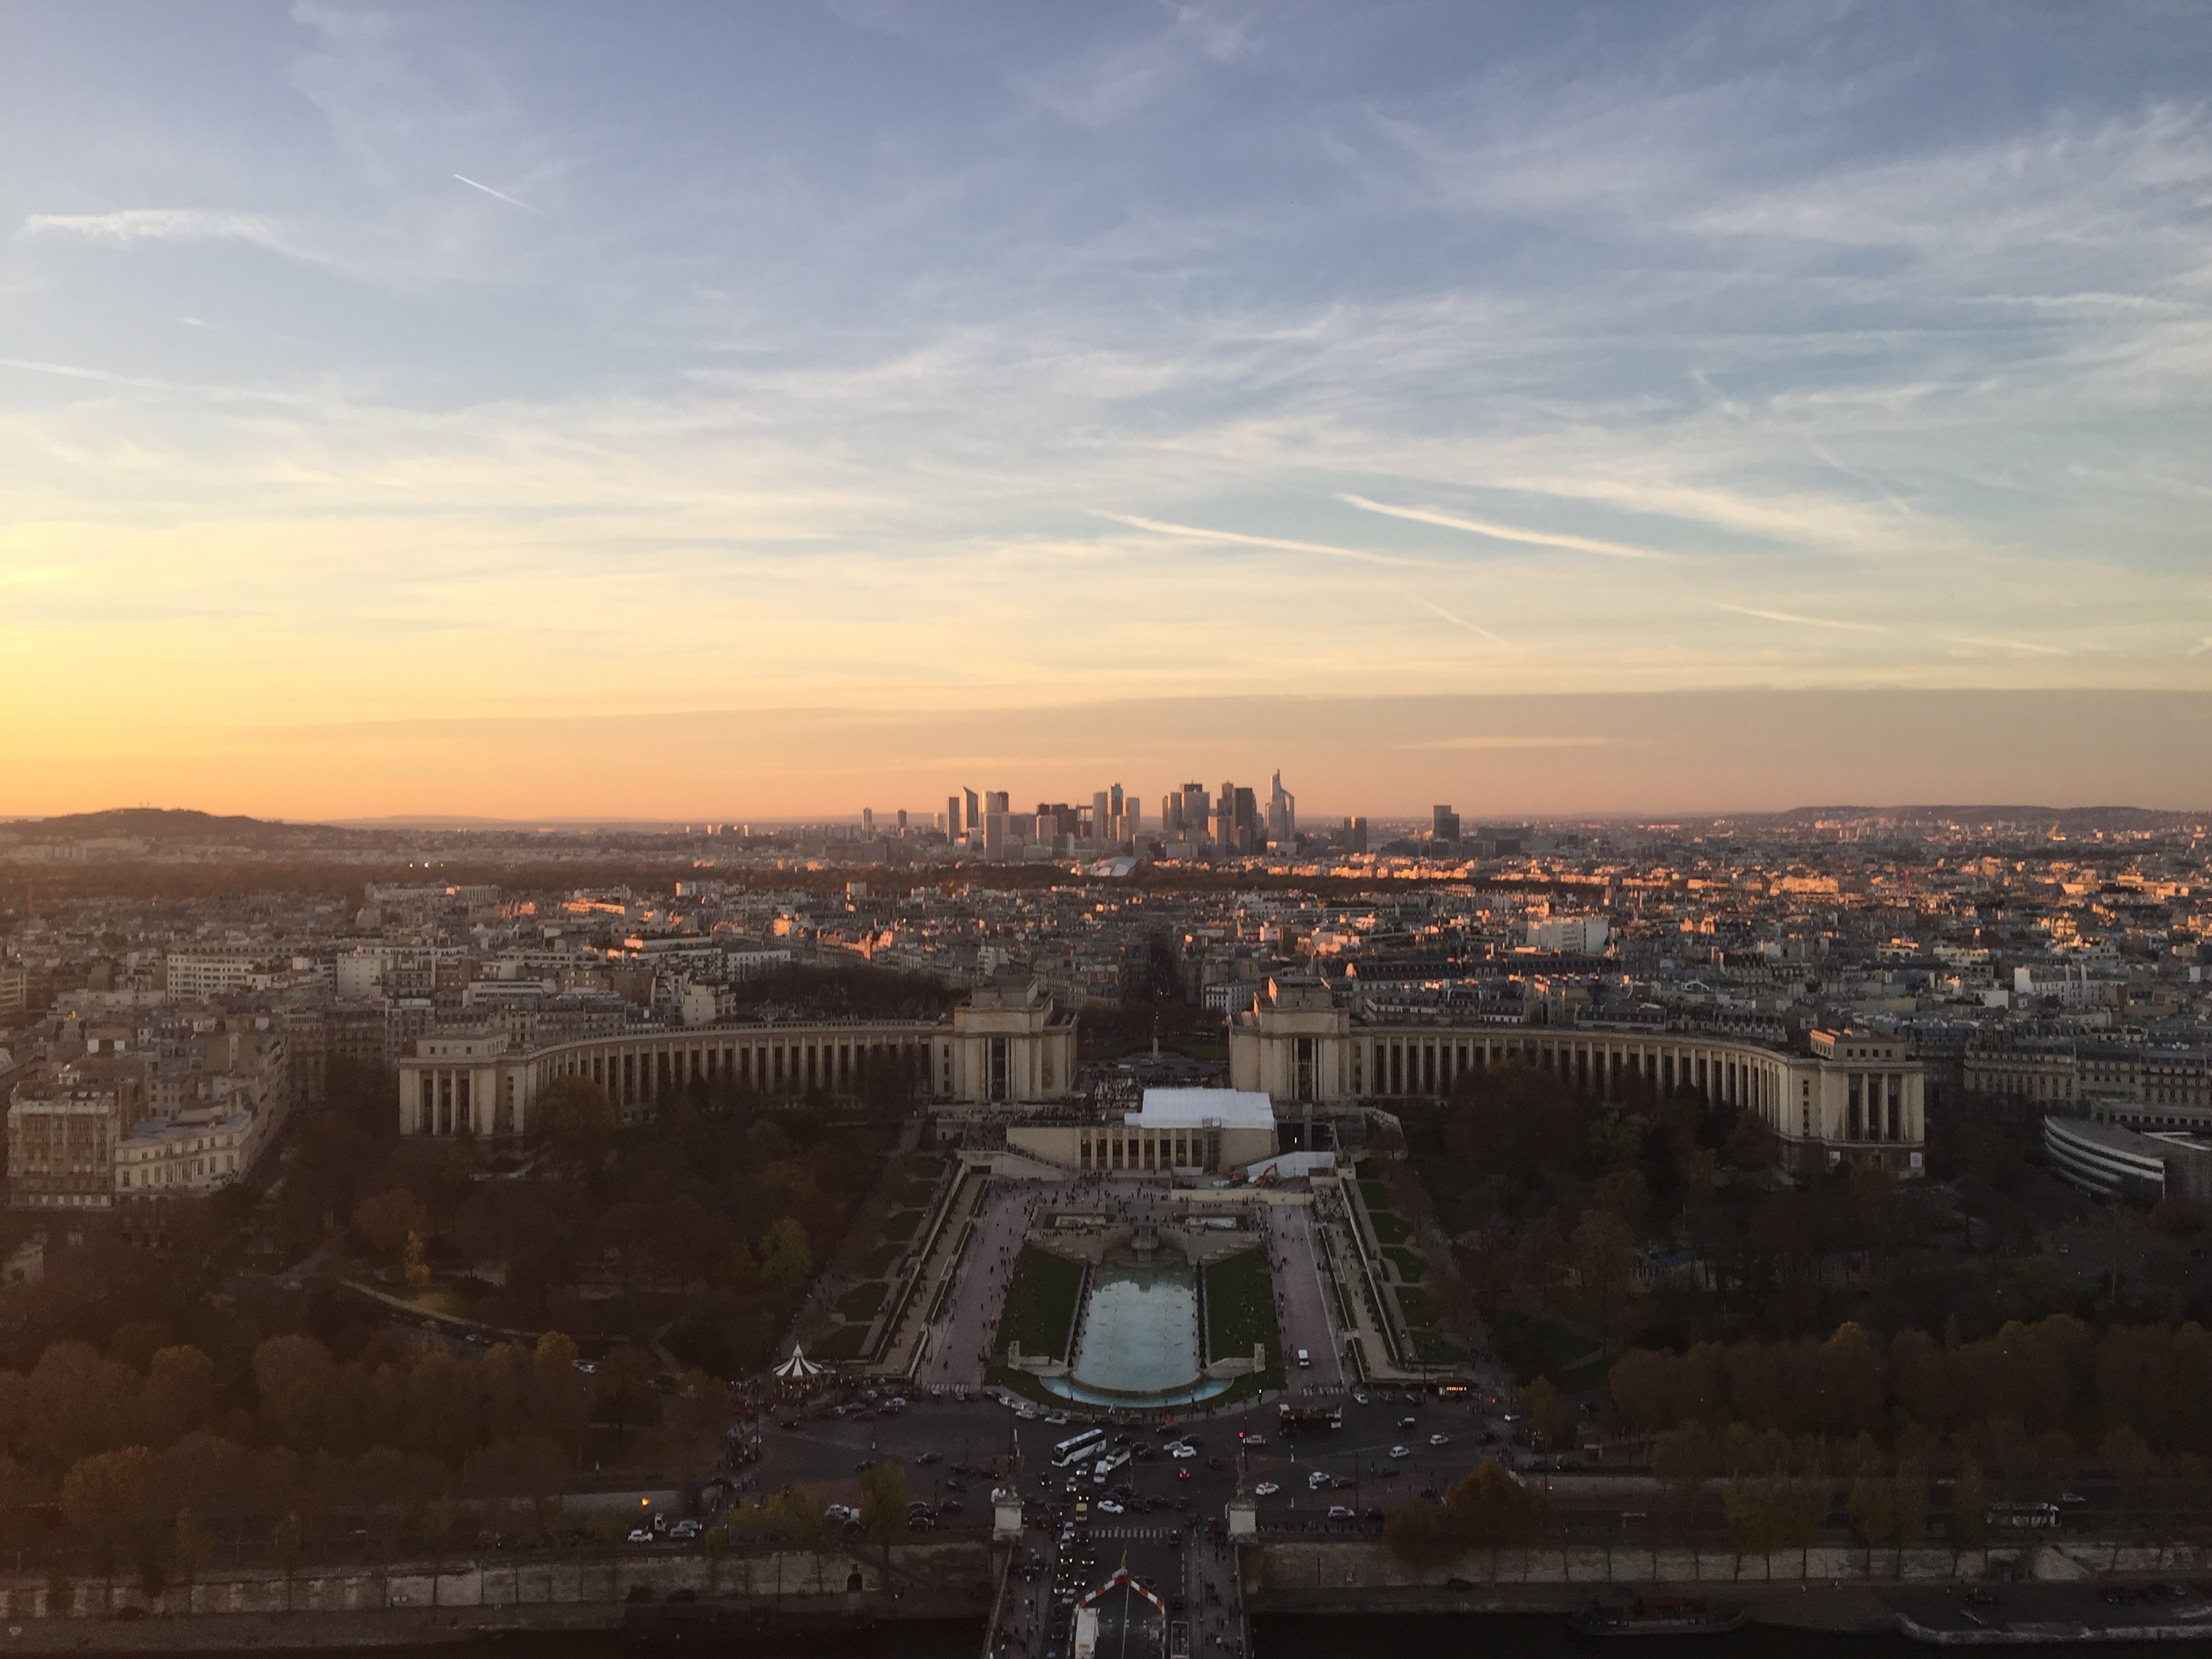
point(1073, 1449)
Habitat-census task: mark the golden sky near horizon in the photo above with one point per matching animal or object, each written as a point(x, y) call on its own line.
point(414, 410)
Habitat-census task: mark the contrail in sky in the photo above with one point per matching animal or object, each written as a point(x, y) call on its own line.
point(502, 194)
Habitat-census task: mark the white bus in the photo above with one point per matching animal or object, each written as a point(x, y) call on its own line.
point(1075, 1447)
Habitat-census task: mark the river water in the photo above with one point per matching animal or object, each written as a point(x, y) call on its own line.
point(1425, 1636)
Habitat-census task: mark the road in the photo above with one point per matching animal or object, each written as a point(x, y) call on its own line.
point(826, 1454)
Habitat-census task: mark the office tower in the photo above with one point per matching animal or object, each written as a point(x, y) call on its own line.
point(994, 831)
point(1120, 804)
point(1355, 835)
point(1447, 824)
point(1102, 828)
point(867, 820)
point(974, 818)
point(953, 822)
point(1197, 809)
point(902, 820)
point(1130, 818)
point(994, 800)
point(1246, 826)
point(1282, 813)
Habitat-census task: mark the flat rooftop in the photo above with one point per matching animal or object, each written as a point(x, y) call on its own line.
point(1187, 1109)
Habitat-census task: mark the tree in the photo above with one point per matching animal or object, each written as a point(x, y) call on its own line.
point(286, 1548)
point(883, 1501)
point(1549, 1413)
point(190, 1547)
point(296, 1380)
point(1604, 1252)
point(1417, 1534)
point(179, 1396)
point(1970, 1508)
point(573, 1120)
point(716, 1546)
point(799, 1514)
point(786, 1260)
point(104, 1496)
point(386, 1220)
point(1681, 1459)
point(1488, 1509)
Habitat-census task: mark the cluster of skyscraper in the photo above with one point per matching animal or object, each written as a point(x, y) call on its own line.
point(1230, 822)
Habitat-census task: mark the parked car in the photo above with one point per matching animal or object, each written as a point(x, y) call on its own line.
point(1440, 1440)
point(1338, 1512)
point(1266, 1489)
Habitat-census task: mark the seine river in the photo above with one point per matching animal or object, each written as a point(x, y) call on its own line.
point(1443, 1637)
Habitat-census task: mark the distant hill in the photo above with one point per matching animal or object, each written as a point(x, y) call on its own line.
point(162, 826)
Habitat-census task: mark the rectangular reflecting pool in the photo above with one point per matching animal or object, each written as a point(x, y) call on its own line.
point(1139, 1342)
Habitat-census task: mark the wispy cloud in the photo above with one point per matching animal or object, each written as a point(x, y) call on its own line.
point(500, 194)
point(1502, 740)
point(131, 225)
point(1799, 619)
point(1503, 532)
point(2028, 646)
point(1195, 533)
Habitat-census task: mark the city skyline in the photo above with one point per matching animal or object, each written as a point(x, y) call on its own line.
point(417, 376)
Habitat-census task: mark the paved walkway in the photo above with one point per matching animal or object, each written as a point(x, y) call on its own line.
point(961, 1343)
point(1302, 1299)
point(898, 1354)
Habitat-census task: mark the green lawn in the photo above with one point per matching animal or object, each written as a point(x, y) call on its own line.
point(1415, 1305)
point(899, 1226)
point(1377, 1192)
point(1430, 1349)
point(1240, 1307)
point(1411, 1267)
point(930, 1170)
point(1040, 1308)
point(919, 1194)
point(859, 1303)
point(1390, 1228)
point(843, 1343)
point(878, 1262)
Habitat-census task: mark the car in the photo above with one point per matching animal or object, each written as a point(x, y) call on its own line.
point(927, 1458)
point(1108, 1506)
point(1304, 1358)
point(1255, 1439)
point(842, 1512)
point(1359, 1396)
point(1266, 1489)
point(1401, 1451)
point(686, 1530)
point(1388, 1471)
point(1183, 1449)
point(952, 1504)
point(640, 1534)
point(1408, 1422)
point(790, 1422)
point(1317, 1479)
point(1338, 1512)
point(1440, 1440)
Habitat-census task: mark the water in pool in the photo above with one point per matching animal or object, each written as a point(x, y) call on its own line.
point(1140, 1332)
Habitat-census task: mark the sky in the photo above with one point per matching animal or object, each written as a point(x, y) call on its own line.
point(730, 411)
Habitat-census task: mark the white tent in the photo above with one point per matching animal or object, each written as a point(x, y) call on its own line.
point(798, 1368)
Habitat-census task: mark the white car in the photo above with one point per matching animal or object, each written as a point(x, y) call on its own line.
point(1266, 1489)
point(1108, 1506)
point(1401, 1451)
point(1359, 1396)
point(1183, 1449)
point(640, 1535)
point(842, 1512)
point(1338, 1512)
point(1317, 1479)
